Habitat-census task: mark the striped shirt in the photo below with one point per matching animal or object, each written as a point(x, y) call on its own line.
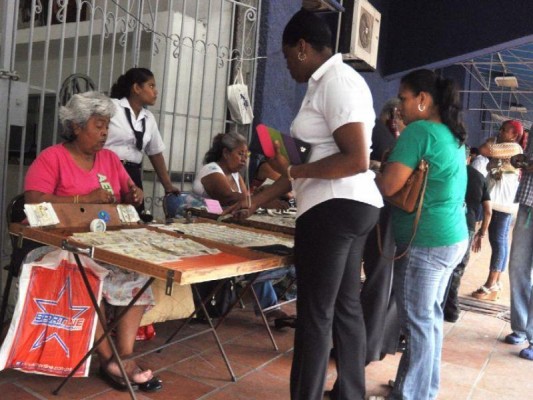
point(524, 195)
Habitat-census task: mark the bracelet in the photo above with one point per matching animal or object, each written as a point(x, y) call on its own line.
point(480, 234)
point(289, 177)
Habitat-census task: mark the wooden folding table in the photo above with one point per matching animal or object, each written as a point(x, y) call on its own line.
point(230, 262)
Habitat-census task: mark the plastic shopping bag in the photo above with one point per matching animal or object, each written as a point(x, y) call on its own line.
point(239, 101)
point(502, 192)
point(54, 320)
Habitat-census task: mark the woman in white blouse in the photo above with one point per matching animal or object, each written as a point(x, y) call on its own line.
point(338, 204)
point(133, 129)
point(221, 180)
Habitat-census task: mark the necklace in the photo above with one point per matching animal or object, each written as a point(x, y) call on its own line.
point(232, 184)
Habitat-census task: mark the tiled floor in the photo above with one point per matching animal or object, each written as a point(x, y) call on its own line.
point(476, 364)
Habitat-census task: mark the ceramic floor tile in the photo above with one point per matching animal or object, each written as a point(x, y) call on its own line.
point(209, 368)
point(482, 394)
point(260, 386)
point(76, 388)
point(280, 366)
point(11, 391)
point(116, 395)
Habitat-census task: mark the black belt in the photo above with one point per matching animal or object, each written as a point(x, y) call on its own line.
point(131, 164)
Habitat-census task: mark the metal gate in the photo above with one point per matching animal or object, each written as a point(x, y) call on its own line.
point(192, 46)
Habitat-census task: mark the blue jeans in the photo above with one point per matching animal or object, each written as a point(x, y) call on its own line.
point(420, 281)
point(499, 240)
point(520, 271)
point(264, 288)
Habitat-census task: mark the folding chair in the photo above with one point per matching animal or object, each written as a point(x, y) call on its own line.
point(15, 213)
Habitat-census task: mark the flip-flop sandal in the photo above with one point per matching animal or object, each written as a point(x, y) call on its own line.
point(152, 385)
point(117, 382)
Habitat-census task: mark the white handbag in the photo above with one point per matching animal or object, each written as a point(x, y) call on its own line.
point(239, 102)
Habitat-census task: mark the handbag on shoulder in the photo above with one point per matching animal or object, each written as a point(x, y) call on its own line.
point(411, 194)
point(409, 198)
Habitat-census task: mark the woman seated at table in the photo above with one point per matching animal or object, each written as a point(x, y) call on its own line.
point(220, 179)
point(80, 170)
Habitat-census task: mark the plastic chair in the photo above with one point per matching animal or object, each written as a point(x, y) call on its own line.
point(74, 84)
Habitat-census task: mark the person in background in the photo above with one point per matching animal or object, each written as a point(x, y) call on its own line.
point(220, 179)
point(477, 195)
point(338, 204)
point(133, 129)
point(379, 307)
point(387, 129)
point(503, 181)
point(521, 264)
point(262, 174)
point(81, 171)
point(430, 107)
point(478, 162)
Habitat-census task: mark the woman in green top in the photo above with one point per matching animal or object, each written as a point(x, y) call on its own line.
point(430, 106)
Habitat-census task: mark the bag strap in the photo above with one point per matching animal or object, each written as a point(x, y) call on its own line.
point(425, 166)
point(238, 76)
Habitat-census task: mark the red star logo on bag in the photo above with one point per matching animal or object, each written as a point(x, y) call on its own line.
point(50, 319)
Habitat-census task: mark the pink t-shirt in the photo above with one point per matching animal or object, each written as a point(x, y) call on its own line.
point(55, 172)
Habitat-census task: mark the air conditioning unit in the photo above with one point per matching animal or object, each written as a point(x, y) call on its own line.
point(359, 34)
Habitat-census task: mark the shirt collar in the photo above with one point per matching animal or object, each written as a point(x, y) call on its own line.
point(333, 60)
point(126, 104)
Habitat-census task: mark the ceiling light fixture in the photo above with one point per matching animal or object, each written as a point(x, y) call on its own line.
point(508, 81)
point(518, 108)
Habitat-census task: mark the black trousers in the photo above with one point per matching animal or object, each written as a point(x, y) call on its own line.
point(329, 243)
point(379, 307)
point(451, 298)
point(135, 173)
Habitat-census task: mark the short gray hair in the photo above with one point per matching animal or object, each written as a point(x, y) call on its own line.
point(229, 141)
point(389, 105)
point(80, 108)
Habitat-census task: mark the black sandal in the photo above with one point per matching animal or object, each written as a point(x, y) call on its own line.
point(116, 382)
point(119, 383)
point(153, 385)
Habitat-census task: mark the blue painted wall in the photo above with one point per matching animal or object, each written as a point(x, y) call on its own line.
point(277, 95)
point(413, 34)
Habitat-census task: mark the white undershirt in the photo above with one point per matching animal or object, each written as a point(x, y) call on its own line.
point(208, 169)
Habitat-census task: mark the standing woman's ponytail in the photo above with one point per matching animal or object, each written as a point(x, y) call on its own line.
point(124, 83)
point(449, 103)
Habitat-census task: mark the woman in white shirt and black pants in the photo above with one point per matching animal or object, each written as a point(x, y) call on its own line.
point(133, 129)
point(338, 204)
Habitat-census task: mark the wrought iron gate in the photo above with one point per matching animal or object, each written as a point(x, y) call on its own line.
point(192, 46)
